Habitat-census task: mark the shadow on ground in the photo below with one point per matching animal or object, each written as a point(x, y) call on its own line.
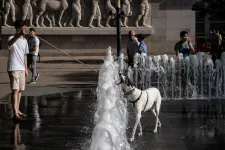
point(83, 76)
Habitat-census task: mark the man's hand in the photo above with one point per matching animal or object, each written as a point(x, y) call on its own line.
point(189, 39)
point(26, 73)
point(23, 32)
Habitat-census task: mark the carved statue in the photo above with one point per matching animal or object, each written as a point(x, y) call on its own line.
point(50, 21)
point(9, 6)
point(126, 11)
point(111, 12)
point(52, 6)
point(96, 14)
point(144, 8)
point(27, 11)
point(45, 15)
point(76, 13)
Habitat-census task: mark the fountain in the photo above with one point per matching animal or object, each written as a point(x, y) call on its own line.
point(193, 77)
point(111, 114)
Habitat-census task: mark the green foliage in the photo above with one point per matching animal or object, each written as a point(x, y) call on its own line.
point(213, 9)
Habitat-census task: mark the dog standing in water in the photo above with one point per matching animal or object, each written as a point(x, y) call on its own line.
point(149, 99)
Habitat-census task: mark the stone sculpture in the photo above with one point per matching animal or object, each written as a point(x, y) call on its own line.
point(27, 12)
point(144, 9)
point(126, 11)
point(8, 6)
point(96, 14)
point(52, 6)
point(111, 12)
point(69, 12)
point(45, 15)
point(76, 13)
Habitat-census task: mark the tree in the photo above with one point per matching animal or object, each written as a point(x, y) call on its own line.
point(211, 9)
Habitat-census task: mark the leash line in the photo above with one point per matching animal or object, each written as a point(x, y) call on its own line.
point(67, 54)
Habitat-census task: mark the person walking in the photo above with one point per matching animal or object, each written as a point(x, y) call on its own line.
point(132, 47)
point(33, 43)
point(17, 66)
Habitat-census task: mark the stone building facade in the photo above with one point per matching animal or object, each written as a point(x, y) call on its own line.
point(164, 19)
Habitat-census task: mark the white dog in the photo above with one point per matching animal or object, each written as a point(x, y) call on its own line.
point(143, 101)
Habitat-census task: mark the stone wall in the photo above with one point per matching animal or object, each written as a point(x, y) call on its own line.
point(165, 19)
point(168, 19)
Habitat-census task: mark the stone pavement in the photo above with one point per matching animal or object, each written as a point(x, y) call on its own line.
point(54, 72)
point(62, 104)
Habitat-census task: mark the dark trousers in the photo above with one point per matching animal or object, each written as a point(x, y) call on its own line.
point(31, 63)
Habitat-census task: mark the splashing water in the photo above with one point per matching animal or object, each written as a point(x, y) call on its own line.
point(111, 115)
point(193, 77)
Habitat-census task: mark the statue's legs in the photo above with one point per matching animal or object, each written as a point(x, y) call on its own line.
point(25, 10)
point(31, 16)
point(76, 14)
point(99, 21)
point(60, 17)
point(7, 9)
point(107, 21)
point(13, 12)
point(145, 17)
point(94, 11)
point(53, 20)
point(41, 11)
point(49, 20)
point(42, 21)
point(142, 12)
point(99, 17)
point(125, 22)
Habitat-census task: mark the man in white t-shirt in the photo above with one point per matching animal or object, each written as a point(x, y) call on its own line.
point(33, 43)
point(17, 66)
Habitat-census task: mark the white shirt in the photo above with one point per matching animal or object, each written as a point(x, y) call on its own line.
point(33, 41)
point(16, 54)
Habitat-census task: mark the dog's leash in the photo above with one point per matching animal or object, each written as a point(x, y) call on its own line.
point(67, 54)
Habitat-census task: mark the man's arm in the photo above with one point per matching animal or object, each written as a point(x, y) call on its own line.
point(25, 64)
point(25, 59)
point(14, 39)
point(34, 48)
point(176, 49)
point(191, 47)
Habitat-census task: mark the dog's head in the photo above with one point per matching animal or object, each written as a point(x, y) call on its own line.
point(125, 80)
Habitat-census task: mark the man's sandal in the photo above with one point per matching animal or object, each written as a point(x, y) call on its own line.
point(23, 115)
point(17, 117)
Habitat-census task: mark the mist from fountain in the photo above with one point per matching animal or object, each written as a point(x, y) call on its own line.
point(111, 115)
point(193, 77)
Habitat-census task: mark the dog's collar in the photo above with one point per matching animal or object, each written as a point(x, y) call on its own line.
point(129, 93)
point(137, 99)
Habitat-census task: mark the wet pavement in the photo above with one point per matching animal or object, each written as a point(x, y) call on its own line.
point(65, 121)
